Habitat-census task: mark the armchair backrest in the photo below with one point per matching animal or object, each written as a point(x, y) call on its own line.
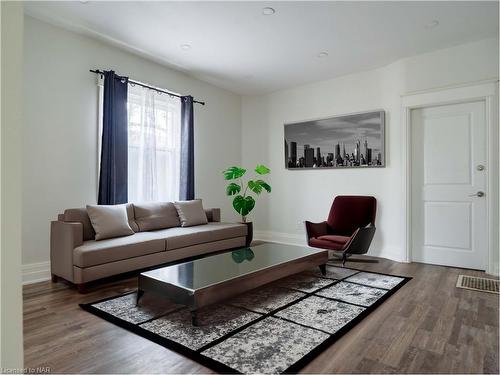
point(350, 212)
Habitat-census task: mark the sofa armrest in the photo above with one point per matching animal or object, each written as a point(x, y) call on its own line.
point(213, 214)
point(64, 237)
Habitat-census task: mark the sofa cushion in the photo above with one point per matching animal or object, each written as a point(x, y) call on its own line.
point(155, 215)
point(342, 240)
point(80, 215)
point(92, 253)
point(177, 238)
point(109, 221)
point(191, 213)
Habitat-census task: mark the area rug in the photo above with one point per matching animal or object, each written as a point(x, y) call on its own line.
point(274, 329)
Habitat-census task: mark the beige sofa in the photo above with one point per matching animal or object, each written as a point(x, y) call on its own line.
point(77, 257)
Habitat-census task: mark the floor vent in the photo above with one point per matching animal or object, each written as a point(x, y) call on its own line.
point(478, 283)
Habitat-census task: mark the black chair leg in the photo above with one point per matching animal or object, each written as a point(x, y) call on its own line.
point(344, 258)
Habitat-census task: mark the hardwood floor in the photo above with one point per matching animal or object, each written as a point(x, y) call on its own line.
point(428, 326)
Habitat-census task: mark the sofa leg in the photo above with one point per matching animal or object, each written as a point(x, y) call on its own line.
point(81, 288)
point(344, 258)
point(54, 278)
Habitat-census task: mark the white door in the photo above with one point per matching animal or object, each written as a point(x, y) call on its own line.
point(449, 174)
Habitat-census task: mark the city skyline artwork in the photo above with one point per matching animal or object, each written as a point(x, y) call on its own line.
point(355, 140)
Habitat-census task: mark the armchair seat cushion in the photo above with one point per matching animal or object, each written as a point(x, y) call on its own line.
point(330, 242)
point(92, 253)
point(341, 240)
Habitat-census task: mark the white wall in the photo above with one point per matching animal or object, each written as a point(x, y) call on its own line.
point(307, 194)
point(11, 318)
point(60, 134)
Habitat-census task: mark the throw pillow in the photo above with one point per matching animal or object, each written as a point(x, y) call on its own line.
point(109, 221)
point(191, 213)
point(155, 215)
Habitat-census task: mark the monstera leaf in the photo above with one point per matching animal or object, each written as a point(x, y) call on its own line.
point(243, 205)
point(262, 169)
point(249, 254)
point(242, 254)
point(238, 255)
point(255, 187)
point(264, 185)
point(233, 173)
point(233, 189)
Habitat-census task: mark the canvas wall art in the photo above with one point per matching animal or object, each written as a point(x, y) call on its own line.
point(354, 140)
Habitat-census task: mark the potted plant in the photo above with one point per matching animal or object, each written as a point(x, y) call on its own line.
point(243, 202)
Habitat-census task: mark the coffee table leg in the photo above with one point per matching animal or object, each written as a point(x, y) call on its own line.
point(322, 268)
point(194, 318)
point(139, 295)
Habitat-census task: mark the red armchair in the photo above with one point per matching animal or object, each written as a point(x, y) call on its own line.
point(350, 226)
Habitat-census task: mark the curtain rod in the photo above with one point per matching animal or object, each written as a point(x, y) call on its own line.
point(148, 87)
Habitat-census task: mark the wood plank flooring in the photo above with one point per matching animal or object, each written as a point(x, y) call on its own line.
point(428, 326)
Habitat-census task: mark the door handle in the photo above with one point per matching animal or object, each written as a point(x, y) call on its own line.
point(478, 194)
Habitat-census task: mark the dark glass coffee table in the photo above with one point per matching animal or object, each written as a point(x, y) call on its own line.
point(208, 280)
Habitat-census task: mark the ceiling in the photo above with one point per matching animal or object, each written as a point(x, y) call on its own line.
point(234, 46)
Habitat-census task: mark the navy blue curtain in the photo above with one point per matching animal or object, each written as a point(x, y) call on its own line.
point(187, 149)
point(114, 153)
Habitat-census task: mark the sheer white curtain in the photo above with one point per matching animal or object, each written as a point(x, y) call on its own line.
point(154, 140)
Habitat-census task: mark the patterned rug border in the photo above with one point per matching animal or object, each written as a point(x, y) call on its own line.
point(221, 367)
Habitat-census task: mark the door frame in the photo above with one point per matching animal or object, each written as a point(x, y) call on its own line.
point(486, 91)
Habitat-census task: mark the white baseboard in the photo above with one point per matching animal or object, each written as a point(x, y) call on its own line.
point(35, 272)
point(300, 240)
point(391, 253)
point(284, 238)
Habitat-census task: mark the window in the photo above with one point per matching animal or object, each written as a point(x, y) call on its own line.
point(154, 141)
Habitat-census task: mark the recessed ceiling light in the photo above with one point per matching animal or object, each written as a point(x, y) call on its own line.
point(268, 11)
point(185, 46)
point(432, 24)
point(84, 1)
point(322, 54)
